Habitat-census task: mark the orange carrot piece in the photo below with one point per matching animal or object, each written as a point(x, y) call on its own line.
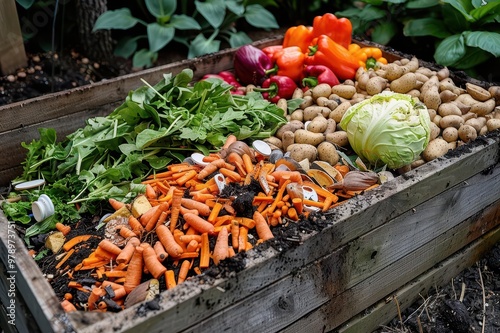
point(202, 208)
point(235, 232)
point(292, 213)
point(74, 241)
point(234, 176)
point(247, 162)
point(224, 219)
point(135, 225)
point(221, 246)
point(162, 218)
point(150, 192)
point(134, 270)
point(261, 226)
point(65, 229)
point(245, 221)
point(192, 246)
point(188, 255)
point(65, 258)
point(161, 254)
point(215, 212)
point(68, 306)
point(298, 204)
point(234, 158)
point(107, 245)
point(176, 206)
point(198, 223)
point(126, 232)
point(183, 271)
point(187, 176)
point(242, 238)
point(205, 251)
point(115, 204)
point(147, 215)
point(167, 240)
point(152, 263)
point(94, 297)
point(170, 279)
point(127, 252)
point(117, 288)
point(188, 238)
point(177, 235)
point(115, 274)
point(231, 138)
point(151, 223)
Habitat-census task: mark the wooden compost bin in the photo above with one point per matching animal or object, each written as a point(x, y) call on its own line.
point(378, 251)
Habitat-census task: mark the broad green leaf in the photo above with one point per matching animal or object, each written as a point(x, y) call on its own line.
point(426, 27)
point(158, 162)
point(26, 4)
point(259, 17)
point(159, 36)
point(395, 1)
point(374, 2)
point(414, 4)
point(127, 46)
point(450, 50)
point(200, 46)
point(162, 9)
point(213, 11)
point(371, 13)
point(184, 22)
point(383, 33)
point(485, 40)
point(236, 7)
point(473, 57)
point(115, 19)
point(239, 38)
point(463, 6)
point(349, 12)
point(453, 19)
point(144, 58)
point(491, 9)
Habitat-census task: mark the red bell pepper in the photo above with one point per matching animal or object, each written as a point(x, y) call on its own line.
point(338, 29)
point(277, 87)
point(230, 78)
point(300, 36)
point(317, 74)
point(324, 51)
point(271, 50)
point(288, 62)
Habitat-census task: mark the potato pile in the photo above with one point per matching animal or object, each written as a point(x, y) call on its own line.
point(458, 114)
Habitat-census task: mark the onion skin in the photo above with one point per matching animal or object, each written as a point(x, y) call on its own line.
point(240, 148)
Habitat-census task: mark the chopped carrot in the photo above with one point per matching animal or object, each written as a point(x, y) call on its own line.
point(188, 255)
point(151, 223)
point(245, 221)
point(175, 211)
point(183, 271)
point(205, 251)
point(247, 162)
point(94, 297)
point(177, 235)
point(167, 240)
point(147, 215)
point(74, 241)
point(108, 246)
point(115, 274)
point(118, 289)
point(152, 263)
point(150, 192)
point(292, 213)
point(135, 225)
point(65, 229)
point(215, 212)
point(188, 238)
point(127, 252)
point(235, 232)
point(170, 279)
point(242, 238)
point(68, 306)
point(187, 176)
point(115, 204)
point(198, 223)
point(65, 258)
point(134, 270)
point(202, 208)
point(192, 246)
point(161, 254)
point(261, 226)
point(298, 204)
point(221, 246)
point(126, 232)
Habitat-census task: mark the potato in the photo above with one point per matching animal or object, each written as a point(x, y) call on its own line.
point(298, 93)
point(307, 101)
point(344, 91)
point(274, 141)
point(404, 84)
point(288, 139)
point(451, 121)
point(447, 96)
point(477, 123)
point(436, 148)
point(327, 152)
point(393, 71)
point(492, 124)
point(339, 111)
point(321, 90)
point(435, 131)
point(443, 73)
point(432, 113)
point(431, 98)
point(446, 109)
point(326, 102)
point(302, 151)
point(290, 126)
point(450, 134)
point(55, 241)
point(437, 120)
point(297, 115)
point(467, 133)
point(307, 137)
point(318, 124)
point(469, 115)
point(338, 138)
point(477, 92)
point(375, 85)
point(312, 111)
point(282, 104)
point(331, 126)
point(483, 108)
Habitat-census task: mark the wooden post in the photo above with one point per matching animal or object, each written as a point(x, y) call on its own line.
point(12, 54)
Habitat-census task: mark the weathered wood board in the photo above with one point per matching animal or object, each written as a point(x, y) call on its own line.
point(385, 242)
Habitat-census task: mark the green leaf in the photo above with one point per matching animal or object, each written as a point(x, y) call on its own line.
point(184, 22)
point(371, 13)
point(236, 7)
point(127, 46)
point(383, 33)
point(472, 58)
point(200, 46)
point(349, 12)
point(259, 17)
point(485, 40)
point(162, 9)
point(491, 9)
point(426, 27)
point(450, 50)
point(26, 4)
point(239, 38)
point(159, 36)
point(115, 19)
point(144, 58)
point(396, 1)
point(417, 4)
point(213, 11)
point(453, 19)
point(463, 6)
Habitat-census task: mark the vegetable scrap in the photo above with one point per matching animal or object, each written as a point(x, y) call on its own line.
point(192, 217)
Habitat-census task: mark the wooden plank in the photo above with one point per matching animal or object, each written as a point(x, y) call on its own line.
point(349, 221)
point(352, 288)
point(384, 311)
point(12, 53)
point(41, 301)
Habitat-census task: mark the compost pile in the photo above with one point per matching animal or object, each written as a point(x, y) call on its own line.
point(185, 177)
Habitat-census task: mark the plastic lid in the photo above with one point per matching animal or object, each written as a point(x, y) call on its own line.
point(198, 159)
point(29, 185)
point(261, 147)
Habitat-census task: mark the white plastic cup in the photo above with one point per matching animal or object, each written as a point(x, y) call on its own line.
point(42, 208)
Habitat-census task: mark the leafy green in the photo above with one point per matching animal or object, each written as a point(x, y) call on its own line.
point(155, 125)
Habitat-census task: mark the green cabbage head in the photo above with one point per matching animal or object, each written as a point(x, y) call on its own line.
point(388, 129)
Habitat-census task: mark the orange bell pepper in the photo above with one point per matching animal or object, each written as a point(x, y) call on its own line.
point(324, 51)
point(300, 36)
point(367, 57)
point(288, 62)
point(338, 29)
